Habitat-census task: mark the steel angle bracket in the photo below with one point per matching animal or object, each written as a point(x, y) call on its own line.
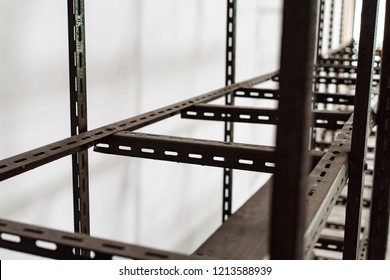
point(23, 162)
point(58, 244)
point(189, 150)
point(326, 182)
point(322, 118)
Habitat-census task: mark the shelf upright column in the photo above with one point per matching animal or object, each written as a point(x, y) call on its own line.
point(331, 24)
point(229, 100)
point(295, 119)
point(78, 110)
point(360, 128)
point(342, 19)
point(380, 204)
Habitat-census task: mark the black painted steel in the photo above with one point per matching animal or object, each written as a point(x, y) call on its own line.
point(227, 179)
point(58, 244)
point(290, 180)
point(360, 128)
point(78, 110)
point(188, 150)
point(378, 233)
point(21, 163)
point(322, 118)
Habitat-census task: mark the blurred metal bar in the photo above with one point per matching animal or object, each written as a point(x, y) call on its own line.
point(331, 23)
point(380, 204)
point(230, 71)
point(360, 128)
point(319, 97)
point(21, 163)
point(322, 118)
point(292, 166)
point(78, 111)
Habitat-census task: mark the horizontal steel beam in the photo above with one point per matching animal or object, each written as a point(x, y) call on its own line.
point(319, 97)
point(340, 80)
point(188, 150)
point(341, 68)
point(323, 119)
point(21, 163)
point(331, 243)
point(58, 244)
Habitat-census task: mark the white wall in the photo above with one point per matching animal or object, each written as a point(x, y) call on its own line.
point(141, 55)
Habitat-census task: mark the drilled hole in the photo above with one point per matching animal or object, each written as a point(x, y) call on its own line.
point(263, 118)
point(327, 165)
point(171, 153)
point(20, 160)
point(70, 143)
point(10, 237)
point(197, 156)
point(208, 114)
point(323, 173)
point(270, 164)
point(3, 166)
point(103, 145)
point(245, 117)
point(218, 158)
point(38, 154)
point(246, 161)
point(254, 94)
point(147, 150)
point(332, 158)
point(336, 152)
point(191, 113)
point(46, 245)
point(125, 148)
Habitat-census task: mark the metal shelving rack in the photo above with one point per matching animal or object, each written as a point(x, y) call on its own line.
point(291, 215)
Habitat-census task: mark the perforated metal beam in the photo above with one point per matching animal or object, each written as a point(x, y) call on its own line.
point(189, 150)
point(230, 73)
point(78, 110)
point(319, 97)
point(21, 163)
point(322, 118)
point(58, 244)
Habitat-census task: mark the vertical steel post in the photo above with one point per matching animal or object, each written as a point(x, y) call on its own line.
point(331, 23)
point(292, 163)
point(360, 128)
point(229, 100)
point(380, 204)
point(319, 45)
point(78, 109)
point(342, 19)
